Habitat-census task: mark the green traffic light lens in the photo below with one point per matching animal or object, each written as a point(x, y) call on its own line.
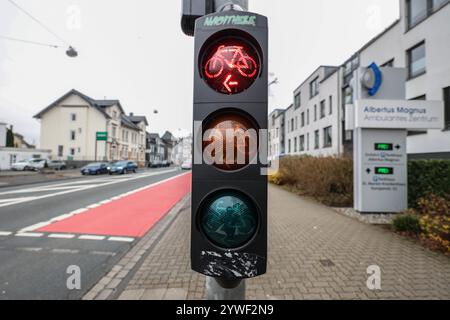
point(229, 219)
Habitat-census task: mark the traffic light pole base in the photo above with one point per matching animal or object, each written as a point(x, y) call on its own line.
point(216, 289)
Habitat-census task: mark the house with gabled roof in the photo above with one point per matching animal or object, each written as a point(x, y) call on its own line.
point(69, 128)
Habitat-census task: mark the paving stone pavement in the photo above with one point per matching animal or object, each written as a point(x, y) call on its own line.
point(314, 253)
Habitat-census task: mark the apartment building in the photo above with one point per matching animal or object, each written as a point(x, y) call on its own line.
point(69, 128)
point(276, 134)
point(418, 41)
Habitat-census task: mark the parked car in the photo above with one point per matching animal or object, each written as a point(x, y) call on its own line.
point(122, 167)
point(37, 164)
point(21, 165)
point(155, 164)
point(187, 165)
point(165, 164)
point(57, 165)
point(95, 168)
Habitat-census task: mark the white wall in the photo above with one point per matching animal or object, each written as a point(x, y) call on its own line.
point(9, 156)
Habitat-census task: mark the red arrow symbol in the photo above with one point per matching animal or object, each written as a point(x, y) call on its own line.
point(227, 83)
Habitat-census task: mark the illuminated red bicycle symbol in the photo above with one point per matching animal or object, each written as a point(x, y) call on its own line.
point(231, 58)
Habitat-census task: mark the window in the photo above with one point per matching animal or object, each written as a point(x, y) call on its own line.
point(297, 100)
point(73, 135)
point(307, 117)
point(389, 64)
point(278, 132)
point(79, 150)
point(289, 146)
point(114, 131)
point(80, 130)
point(302, 143)
point(327, 137)
point(416, 60)
point(302, 121)
point(307, 141)
point(292, 124)
point(73, 116)
point(330, 110)
point(296, 123)
point(115, 114)
point(316, 139)
point(315, 112)
point(314, 88)
point(72, 151)
point(322, 109)
point(419, 10)
point(60, 151)
point(295, 144)
point(447, 107)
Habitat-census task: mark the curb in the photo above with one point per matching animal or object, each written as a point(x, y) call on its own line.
point(115, 282)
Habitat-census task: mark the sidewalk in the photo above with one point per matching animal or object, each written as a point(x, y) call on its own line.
point(314, 253)
point(19, 178)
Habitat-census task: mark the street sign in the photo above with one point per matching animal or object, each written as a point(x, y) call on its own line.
point(229, 192)
point(102, 136)
point(381, 118)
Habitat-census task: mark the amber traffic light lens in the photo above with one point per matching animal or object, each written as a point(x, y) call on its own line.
point(230, 66)
point(231, 141)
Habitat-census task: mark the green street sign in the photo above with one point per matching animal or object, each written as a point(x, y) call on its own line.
point(102, 136)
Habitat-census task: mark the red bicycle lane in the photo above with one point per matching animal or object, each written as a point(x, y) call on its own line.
point(130, 216)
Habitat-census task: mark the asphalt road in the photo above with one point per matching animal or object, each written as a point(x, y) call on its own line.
point(34, 264)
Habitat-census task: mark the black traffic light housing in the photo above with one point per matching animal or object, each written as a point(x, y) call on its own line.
point(235, 260)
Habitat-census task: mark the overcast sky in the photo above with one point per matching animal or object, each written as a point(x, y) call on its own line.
point(134, 51)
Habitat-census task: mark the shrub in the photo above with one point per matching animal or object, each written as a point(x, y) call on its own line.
point(428, 177)
point(407, 223)
point(328, 179)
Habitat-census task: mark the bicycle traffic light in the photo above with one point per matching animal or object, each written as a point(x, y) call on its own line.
point(229, 187)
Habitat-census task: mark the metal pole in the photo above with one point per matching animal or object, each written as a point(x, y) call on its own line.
point(218, 289)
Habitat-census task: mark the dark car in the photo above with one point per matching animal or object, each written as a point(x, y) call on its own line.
point(155, 164)
point(122, 167)
point(95, 168)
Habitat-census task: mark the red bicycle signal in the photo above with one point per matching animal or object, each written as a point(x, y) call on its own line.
point(230, 66)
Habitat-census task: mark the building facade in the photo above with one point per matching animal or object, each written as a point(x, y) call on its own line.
point(418, 41)
point(155, 149)
point(182, 150)
point(69, 128)
point(276, 134)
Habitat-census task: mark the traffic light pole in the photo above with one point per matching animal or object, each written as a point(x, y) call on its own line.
point(218, 289)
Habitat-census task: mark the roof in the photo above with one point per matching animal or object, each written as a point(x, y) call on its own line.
point(128, 123)
point(138, 119)
point(100, 105)
point(152, 135)
point(328, 71)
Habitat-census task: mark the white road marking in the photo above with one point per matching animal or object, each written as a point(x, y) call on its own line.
point(5, 233)
point(80, 188)
point(79, 211)
point(65, 251)
point(33, 227)
point(61, 236)
point(29, 235)
point(89, 237)
point(30, 249)
point(103, 253)
point(121, 239)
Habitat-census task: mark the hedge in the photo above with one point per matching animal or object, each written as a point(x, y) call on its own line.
point(427, 177)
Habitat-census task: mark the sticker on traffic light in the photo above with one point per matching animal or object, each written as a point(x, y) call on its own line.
point(231, 65)
point(229, 219)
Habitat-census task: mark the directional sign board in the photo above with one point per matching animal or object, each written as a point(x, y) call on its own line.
point(383, 164)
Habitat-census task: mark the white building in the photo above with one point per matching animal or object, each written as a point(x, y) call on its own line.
point(3, 130)
point(276, 134)
point(418, 41)
point(182, 151)
point(69, 128)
